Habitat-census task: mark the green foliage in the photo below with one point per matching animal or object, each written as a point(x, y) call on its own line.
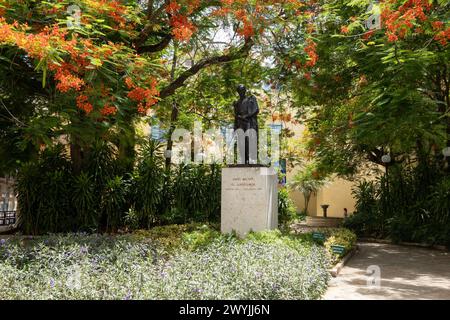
point(148, 186)
point(196, 193)
point(308, 181)
point(339, 237)
point(370, 97)
point(77, 266)
point(115, 203)
point(286, 208)
point(181, 236)
point(298, 242)
point(43, 194)
point(84, 201)
point(199, 238)
point(410, 205)
point(366, 221)
point(54, 199)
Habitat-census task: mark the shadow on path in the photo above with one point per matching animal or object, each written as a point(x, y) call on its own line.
point(405, 273)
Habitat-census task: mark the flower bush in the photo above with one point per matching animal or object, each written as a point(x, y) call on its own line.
point(339, 237)
point(80, 266)
point(248, 270)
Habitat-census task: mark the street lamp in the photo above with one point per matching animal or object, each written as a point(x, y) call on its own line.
point(386, 159)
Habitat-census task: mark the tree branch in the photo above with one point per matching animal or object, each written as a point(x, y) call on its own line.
point(154, 14)
point(164, 43)
point(179, 82)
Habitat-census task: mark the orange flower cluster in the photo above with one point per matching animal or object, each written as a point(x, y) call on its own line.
point(247, 29)
point(443, 36)
point(310, 50)
point(112, 8)
point(402, 20)
point(84, 104)
point(67, 81)
point(108, 110)
point(312, 58)
point(407, 17)
point(146, 98)
point(183, 28)
point(38, 46)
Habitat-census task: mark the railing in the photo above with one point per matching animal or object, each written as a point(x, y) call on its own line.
point(8, 202)
point(8, 218)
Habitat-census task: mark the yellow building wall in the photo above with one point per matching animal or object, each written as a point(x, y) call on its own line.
point(337, 193)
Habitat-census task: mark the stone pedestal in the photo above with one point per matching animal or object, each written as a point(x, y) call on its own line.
point(249, 199)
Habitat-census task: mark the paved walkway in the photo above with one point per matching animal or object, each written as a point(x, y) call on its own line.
point(405, 273)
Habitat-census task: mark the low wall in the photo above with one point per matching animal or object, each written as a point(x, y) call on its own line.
point(323, 222)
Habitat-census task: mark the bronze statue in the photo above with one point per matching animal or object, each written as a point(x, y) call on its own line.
point(246, 118)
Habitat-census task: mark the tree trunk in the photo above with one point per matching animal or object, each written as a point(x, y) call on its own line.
point(173, 116)
point(127, 144)
point(76, 155)
point(307, 197)
point(173, 119)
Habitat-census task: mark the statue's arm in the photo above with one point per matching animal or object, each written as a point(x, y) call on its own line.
point(236, 114)
point(255, 108)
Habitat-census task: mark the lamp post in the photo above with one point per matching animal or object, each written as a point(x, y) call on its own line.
point(386, 159)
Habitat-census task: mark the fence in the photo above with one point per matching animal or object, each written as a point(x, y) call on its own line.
point(8, 202)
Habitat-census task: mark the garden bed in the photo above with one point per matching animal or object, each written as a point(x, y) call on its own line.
point(175, 262)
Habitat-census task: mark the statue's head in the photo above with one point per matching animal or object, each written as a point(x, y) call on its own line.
point(242, 90)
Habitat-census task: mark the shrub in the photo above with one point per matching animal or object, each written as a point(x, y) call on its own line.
point(339, 237)
point(196, 194)
point(84, 201)
point(43, 189)
point(286, 208)
point(78, 266)
point(199, 238)
point(148, 185)
point(365, 221)
point(187, 236)
point(411, 205)
point(114, 203)
point(52, 198)
point(249, 270)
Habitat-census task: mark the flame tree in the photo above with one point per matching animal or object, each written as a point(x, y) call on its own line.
point(87, 69)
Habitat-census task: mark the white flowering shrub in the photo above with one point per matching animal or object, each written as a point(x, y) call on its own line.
point(121, 267)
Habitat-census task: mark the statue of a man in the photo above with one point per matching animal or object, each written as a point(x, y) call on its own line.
point(246, 118)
